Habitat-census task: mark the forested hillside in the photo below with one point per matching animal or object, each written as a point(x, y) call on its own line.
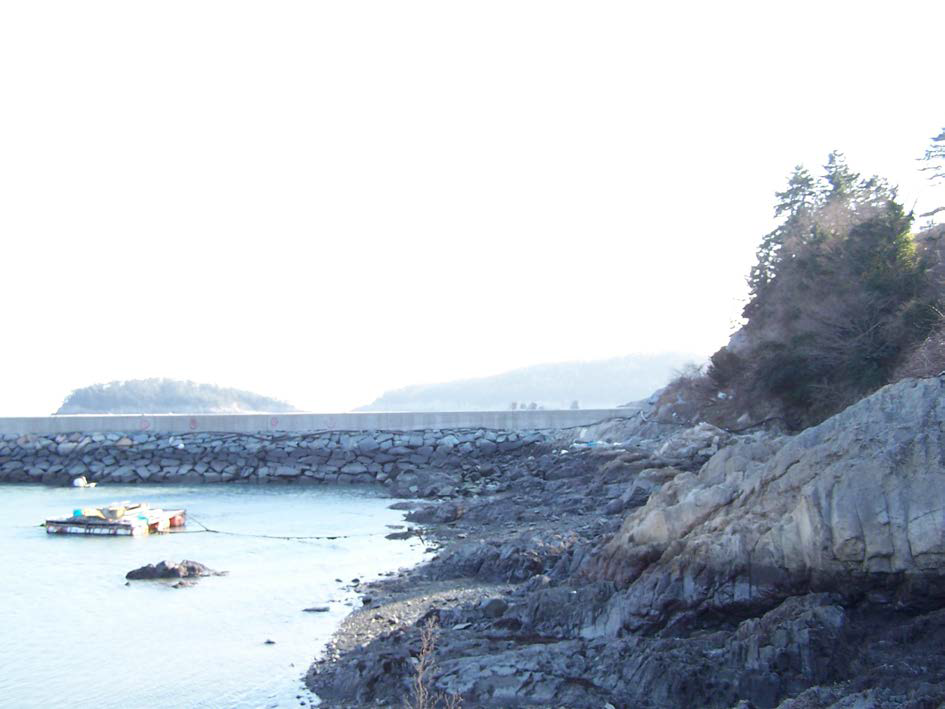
point(165, 396)
point(597, 384)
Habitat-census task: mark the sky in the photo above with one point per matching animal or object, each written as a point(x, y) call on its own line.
point(320, 201)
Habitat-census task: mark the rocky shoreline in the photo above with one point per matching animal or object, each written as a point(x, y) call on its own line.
point(679, 567)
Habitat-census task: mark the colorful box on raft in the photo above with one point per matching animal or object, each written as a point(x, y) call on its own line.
point(118, 520)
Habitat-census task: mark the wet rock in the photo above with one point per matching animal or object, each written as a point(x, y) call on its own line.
point(172, 570)
point(406, 534)
point(405, 505)
point(442, 514)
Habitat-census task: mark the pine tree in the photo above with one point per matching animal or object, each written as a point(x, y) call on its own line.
point(935, 157)
point(935, 165)
point(800, 195)
point(795, 204)
point(839, 182)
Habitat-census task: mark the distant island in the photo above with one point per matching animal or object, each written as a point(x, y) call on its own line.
point(167, 396)
point(589, 385)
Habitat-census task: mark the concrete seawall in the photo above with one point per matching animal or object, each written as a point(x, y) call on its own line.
point(259, 423)
point(413, 454)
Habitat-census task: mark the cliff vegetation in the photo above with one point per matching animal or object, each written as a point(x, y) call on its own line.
point(844, 298)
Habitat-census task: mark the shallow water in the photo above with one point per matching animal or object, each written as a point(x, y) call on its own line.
point(73, 632)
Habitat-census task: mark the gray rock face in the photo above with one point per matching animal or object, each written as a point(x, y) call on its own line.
point(853, 505)
point(796, 645)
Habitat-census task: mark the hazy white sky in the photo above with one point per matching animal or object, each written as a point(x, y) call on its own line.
point(322, 200)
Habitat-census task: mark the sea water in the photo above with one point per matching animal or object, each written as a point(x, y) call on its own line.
point(73, 632)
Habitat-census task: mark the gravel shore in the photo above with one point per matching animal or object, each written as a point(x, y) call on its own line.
point(533, 520)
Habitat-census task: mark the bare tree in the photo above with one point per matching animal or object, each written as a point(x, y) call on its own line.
point(423, 694)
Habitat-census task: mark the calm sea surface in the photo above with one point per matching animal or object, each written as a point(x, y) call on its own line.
point(72, 633)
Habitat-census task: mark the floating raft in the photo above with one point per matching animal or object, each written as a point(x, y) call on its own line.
point(123, 519)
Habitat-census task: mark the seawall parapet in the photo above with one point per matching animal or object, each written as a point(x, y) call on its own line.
point(512, 420)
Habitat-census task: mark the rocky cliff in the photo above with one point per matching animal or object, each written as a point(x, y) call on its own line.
point(854, 505)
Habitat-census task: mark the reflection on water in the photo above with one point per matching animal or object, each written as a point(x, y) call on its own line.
point(74, 632)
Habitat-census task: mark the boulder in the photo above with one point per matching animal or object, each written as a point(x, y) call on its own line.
point(485, 446)
point(441, 514)
point(494, 607)
point(367, 445)
point(172, 570)
point(692, 447)
point(425, 483)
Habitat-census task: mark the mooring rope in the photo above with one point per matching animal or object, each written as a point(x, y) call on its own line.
point(208, 530)
point(333, 537)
